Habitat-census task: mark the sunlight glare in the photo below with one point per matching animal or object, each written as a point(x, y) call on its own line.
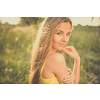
point(85, 21)
point(10, 20)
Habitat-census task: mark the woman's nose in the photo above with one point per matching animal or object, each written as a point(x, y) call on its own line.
point(64, 38)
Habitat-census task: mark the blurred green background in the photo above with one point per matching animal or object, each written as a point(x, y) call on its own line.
point(16, 44)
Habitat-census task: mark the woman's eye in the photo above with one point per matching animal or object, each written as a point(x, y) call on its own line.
point(59, 33)
point(68, 34)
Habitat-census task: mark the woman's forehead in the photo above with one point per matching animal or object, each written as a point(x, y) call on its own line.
point(64, 26)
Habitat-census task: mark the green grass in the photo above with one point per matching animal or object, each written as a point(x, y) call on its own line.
point(16, 46)
point(84, 39)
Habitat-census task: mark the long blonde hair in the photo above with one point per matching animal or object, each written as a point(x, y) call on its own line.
point(43, 44)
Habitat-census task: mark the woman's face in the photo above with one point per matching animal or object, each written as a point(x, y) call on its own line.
point(61, 36)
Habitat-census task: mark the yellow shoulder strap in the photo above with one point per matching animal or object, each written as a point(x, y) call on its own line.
point(43, 65)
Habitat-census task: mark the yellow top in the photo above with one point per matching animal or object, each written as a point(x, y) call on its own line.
point(52, 80)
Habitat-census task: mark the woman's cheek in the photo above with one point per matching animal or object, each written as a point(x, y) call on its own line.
point(56, 38)
point(67, 40)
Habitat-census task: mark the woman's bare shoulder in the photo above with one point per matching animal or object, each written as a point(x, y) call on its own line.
point(57, 65)
point(54, 59)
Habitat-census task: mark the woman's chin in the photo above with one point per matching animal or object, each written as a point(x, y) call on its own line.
point(60, 49)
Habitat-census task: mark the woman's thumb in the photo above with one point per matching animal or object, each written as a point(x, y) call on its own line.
point(63, 52)
point(66, 51)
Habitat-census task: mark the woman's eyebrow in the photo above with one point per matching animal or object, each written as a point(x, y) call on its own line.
point(63, 32)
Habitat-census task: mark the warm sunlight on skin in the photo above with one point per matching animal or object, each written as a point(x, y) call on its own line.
point(61, 36)
point(10, 20)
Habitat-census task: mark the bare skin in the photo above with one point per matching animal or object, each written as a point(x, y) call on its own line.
point(71, 51)
point(55, 64)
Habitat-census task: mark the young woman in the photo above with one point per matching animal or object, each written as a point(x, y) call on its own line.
point(47, 66)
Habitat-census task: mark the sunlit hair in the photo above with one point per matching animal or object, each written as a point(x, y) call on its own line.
point(43, 44)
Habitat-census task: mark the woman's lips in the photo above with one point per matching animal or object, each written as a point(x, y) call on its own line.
point(61, 44)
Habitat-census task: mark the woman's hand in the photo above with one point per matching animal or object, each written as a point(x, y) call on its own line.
point(69, 79)
point(71, 51)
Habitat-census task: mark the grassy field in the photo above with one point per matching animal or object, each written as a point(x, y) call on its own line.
point(16, 45)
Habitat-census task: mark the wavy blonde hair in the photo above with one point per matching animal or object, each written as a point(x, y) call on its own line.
point(43, 44)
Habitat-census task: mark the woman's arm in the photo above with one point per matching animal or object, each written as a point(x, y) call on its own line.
point(70, 78)
point(76, 71)
point(74, 76)
point(70, 50)
point(58, 67)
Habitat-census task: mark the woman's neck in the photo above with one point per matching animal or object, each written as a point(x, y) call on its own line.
point(53, 50)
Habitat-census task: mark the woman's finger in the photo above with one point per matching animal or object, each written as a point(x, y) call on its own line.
point(66, 51)
point(63, 51)
point(69, 81)
point(69, 78)
point(67, 48)
point(72, 74)
point(69, 71)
